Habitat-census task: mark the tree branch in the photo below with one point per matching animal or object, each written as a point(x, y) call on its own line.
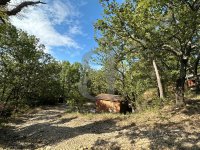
point(4, 2)
point(171, 49)
point(129, 34)
point(2, 20)
point(193, 6)
point(19, 7)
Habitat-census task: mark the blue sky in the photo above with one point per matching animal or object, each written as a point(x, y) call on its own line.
point(65, 27)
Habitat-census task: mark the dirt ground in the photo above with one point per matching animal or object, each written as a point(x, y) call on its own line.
point(53, 128)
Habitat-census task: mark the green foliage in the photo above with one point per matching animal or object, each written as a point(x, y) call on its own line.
point(147, 30)
point(70, 77)
point(28, 75)
point(97, 82)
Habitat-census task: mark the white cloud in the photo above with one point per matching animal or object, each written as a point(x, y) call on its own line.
point(60, 11)
point(75, 30)
point(42, 20)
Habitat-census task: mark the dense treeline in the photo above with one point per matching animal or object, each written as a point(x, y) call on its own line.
point(144, 39)
point(31, 77)
point(27, 73)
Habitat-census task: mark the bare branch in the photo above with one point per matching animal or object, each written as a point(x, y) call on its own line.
point(4, 2)
point(18, 8)
point(171, 49)
point(2, 20)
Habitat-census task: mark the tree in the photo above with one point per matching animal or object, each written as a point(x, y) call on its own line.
point(28, 76)
point(70, 77)
point(5, 12)
point(161, 93)
point(164, 27)
point(121, 69)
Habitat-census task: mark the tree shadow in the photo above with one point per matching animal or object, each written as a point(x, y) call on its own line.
point(49, 130)
point(45, 114)
point(47, 134)
point(192, 107)
point(65, 120)
point(165, 136)
point(101, 144)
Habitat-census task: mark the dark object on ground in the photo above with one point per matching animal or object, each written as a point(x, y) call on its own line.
point(125, 107)
point(6, 111)
point(61, 100)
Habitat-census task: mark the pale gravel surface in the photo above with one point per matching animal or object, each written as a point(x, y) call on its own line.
point(52, 128)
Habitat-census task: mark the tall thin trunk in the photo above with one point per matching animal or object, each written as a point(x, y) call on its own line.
point(196, 73)
point(196, 65)
point(3, 92)
point(160, 87)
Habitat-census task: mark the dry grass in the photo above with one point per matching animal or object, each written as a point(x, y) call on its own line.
point(53, 128)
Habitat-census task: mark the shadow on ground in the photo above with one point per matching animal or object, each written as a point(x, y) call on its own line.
point(50, 132)
point(192, 107)
point(161, 136)
point(101, 144)
point(165, 136)
point(182, 135)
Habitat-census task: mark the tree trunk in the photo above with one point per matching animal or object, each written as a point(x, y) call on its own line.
point(3, 92)
point(196, 74)
point(160, 87)
point(180, 83)
point(6, 102)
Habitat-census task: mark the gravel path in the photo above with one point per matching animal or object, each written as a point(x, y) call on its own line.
point(52, 128)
